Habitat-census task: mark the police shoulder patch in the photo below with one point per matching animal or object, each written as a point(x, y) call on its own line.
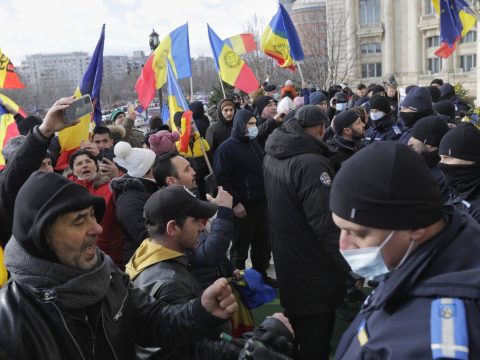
point(396, 130)
point(325, 179)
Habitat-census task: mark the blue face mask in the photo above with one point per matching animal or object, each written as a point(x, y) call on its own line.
point(341, 107)
point(252, 132)
point(369, 262)
point(377, 115)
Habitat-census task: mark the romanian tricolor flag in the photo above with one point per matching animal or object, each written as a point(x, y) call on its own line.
point(8, 78)
point(242, 43)
point(71, 138)
point(177, 103)
point(233, 70)
point(8, 126)
point(176, 48)
point(456, 19)
point(280, 40)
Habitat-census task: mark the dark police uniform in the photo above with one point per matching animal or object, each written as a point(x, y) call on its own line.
point(386, 129)
point(468, 202)
point(430, 307)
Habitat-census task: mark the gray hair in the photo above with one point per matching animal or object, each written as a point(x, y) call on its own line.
point(12, 146)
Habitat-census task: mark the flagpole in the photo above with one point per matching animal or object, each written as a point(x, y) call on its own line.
point(221, 83)
point(191, 89)
point(300, 71)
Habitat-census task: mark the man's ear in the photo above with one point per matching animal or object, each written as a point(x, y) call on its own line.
point(418, 234)
point(171, 229)
point(170, 180)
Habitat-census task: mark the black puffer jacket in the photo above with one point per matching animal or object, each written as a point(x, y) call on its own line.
point(26, 160)
point(33, 326)
point(310, 269)
point(131, 194)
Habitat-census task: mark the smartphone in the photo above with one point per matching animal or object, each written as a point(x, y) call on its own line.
point(211, 185)
point(78, 108)
point(106, 154)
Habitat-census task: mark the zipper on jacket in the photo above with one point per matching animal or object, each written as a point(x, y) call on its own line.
point(92, 336)
point(106, 335)
point(68, 331)
point(119, 314)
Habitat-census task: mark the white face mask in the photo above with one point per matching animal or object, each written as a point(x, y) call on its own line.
point(377, 115)
point(341, 107)
point(369, 262)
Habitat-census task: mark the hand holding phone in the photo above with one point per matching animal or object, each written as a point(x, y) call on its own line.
point(80, 107)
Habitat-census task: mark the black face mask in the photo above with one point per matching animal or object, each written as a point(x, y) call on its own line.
point(410, 118)
point(461, 178)
point(431, 157)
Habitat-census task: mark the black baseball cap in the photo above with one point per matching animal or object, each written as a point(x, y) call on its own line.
point(175, 201)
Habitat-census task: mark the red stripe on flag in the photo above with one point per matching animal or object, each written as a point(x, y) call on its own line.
point(246, 80)
point(249, 42)
point(12, 131)
point(444, 51)
point(146, 84)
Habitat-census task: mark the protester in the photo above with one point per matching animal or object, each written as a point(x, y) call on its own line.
point(201, 121)
point(319, 99)
point(288, 90)
point(425, 140)
point(349, 133)
point(460, 166)
point(163, 141)
point(238, 168)
point(310, 270)
point(102, 138)
point(220, 131)
point(131, 191)
point(361, 97)
point(85, 171)
point(67, 300)
point(268, 119)
point(155, 124)
point(396, 231)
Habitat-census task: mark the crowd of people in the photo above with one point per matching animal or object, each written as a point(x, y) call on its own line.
point(129, 250)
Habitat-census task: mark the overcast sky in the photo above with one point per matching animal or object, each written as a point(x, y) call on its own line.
point(48, 26)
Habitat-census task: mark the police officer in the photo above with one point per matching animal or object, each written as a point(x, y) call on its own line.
point(425, 256)
point(384, 125)
point(460, 165)
point(417, 104)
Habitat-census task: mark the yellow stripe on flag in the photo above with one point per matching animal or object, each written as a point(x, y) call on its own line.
point(159, 64)
point(276, 46)
point(4, 60)
point(230, 65)
point(238, 45)
point(173, 108)
point(5, 121)
point(71, 137)
point(7, 100)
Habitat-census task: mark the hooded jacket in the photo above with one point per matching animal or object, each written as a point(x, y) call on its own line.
point(344, 149)
point(130, 196)
point(298, 177)
point(446, 266)
point(201, 120)
point(221, 130)
point(33, 322)
point(238, 164)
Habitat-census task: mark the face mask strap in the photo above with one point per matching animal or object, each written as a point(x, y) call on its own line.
point(410, 247)
point(388, 238)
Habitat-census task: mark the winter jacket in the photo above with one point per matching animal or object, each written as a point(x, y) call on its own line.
point(201, 120)
point(111, 241)
point(208, 261)
point(265, 128)
point(133, 136)
point(383, 130)
point(344, 148)
point(130, 196)
point(195, 147)
point(25, 161)
point(309, 268)
point(33, 325)
point(468, 202)
point(220, 130)
point(238, 166)
point(397, 321)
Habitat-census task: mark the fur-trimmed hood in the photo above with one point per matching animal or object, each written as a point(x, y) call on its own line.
point(128, 183)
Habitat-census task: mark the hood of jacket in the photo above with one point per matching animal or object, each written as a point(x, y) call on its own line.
point(198, 111)
point(291, 140)
point(147, 254)
point(128, 183)
point(239, 124)
point(220, 115)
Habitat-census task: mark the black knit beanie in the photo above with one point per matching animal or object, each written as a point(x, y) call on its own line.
point(381, 103)
point(260, 104)
point(378, 89)
point(310, 115)
point(462, 143)
point(42, 198)
point(402, 195)
point(344, 120)
point(445, 107)
point(430, 129)
point(418, 99)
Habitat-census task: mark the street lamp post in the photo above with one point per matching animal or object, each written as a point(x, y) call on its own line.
point(154, 41)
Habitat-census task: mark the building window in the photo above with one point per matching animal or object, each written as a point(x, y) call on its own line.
point(434, 65)
point(371, 70)
point(372, 48)
point(470, 37)
point(429, 8)
point(433, 41)
point(468, 62)
point(369, 12)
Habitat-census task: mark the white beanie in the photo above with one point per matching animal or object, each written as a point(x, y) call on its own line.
point(137, 161)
